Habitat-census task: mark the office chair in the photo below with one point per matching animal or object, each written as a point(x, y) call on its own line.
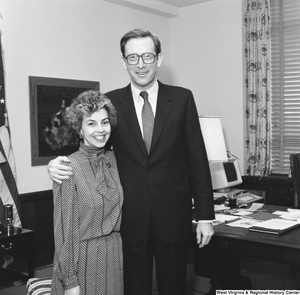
point(295, 172)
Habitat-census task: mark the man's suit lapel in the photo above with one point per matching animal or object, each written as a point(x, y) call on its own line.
point(163, 110)
point(127, 110)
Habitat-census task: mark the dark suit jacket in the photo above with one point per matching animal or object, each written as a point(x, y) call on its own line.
point(162, 184)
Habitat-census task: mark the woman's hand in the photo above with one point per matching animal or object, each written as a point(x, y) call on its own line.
point(58, 171)
point(73, 291)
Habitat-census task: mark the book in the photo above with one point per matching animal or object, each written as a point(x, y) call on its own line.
point(276, 226)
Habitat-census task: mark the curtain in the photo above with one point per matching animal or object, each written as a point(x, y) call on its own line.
point(257, 84)
point(285, 86)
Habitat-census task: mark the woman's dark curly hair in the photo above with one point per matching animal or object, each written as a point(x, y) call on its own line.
point(86, 104)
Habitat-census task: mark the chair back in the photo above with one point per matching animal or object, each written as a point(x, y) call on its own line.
point(295, 172)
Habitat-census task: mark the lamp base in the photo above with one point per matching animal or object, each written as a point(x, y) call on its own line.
point(223, 190)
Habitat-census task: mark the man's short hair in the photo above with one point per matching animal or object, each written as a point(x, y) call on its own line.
point(140, 33)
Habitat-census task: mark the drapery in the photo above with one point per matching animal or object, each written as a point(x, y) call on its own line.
point(257, 83)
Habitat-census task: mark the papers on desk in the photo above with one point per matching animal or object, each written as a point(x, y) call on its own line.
point(220, 208)
point(257, 219)
point(224, 218)
point(243, 197)
point(276, 222)
point(247, 197)
point(290, 214)
point(224, 214)
point(255, 206)
point(274, 226)
point(244, 222)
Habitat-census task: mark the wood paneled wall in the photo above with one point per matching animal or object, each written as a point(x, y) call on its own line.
point(37, 215)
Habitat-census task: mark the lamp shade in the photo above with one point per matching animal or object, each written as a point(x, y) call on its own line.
point(213, 136)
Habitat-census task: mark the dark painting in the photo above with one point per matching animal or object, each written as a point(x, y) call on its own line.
point(50, 136)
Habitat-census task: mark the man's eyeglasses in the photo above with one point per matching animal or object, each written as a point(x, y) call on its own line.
point(133, 59)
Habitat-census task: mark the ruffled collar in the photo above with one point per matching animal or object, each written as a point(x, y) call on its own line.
point(90, 151)
point(96, 156)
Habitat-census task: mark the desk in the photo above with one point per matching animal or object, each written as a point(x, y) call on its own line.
point(240, 242)
point(18, 242)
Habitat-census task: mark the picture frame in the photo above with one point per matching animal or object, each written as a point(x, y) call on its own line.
point(50, 136)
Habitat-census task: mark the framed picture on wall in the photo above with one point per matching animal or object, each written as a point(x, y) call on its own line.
point(50, 136)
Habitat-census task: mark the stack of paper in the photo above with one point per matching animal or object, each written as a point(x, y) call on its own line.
point(224, 218)
point(274, 226)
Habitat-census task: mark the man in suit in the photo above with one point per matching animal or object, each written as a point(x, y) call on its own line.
point(161, 177)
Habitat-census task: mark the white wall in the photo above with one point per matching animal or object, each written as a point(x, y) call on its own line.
point(72, 39)
point(207, 57)
point(79, 39)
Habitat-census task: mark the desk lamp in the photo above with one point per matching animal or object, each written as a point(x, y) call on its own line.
point(213, 136)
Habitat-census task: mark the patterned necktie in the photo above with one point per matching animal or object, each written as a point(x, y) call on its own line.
point(148, 120)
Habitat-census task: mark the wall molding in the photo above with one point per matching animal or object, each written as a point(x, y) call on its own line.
point(151, 6)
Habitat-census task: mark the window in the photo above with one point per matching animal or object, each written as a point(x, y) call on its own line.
point(285, 69)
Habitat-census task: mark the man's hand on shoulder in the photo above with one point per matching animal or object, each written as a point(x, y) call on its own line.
point(58, 171)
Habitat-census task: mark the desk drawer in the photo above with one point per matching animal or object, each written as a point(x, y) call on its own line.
point(15, 244)
point(253, 249)
point(248, 249)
